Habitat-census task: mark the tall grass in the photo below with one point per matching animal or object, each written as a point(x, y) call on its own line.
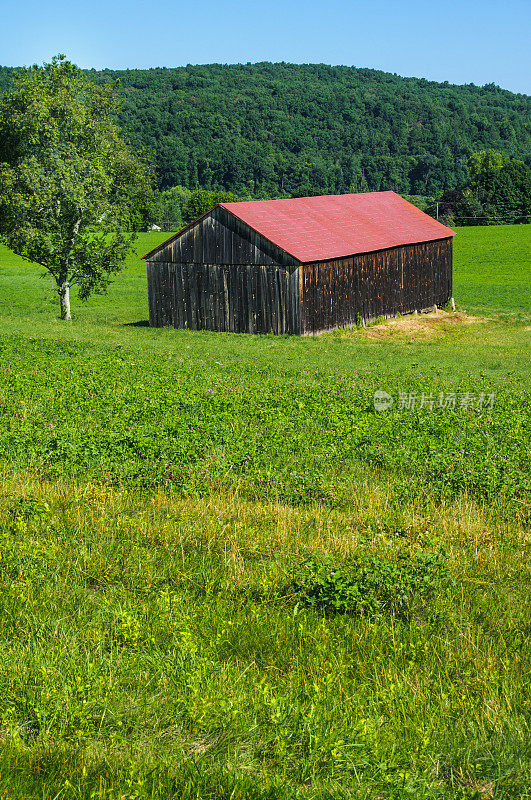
point(149, 650)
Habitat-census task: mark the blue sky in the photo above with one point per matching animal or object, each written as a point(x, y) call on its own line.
point(462, 42)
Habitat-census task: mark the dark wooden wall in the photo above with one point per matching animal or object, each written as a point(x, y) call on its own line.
point(384, 283)
point(243, 298)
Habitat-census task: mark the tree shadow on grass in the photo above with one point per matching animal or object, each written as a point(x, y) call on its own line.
point(143, 323)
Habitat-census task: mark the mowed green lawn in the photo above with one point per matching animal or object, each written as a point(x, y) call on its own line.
point(492, 269)
point(223, 575)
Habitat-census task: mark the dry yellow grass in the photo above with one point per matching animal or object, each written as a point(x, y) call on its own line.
point(233, 527)
point(414, 327)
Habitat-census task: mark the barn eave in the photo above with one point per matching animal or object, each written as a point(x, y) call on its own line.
point(377, 250)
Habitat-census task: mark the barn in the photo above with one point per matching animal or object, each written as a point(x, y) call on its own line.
point(301, 265)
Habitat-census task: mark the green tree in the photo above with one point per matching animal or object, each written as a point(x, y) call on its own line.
point(483, 168)
point(171, 205)
point(202, 201)
point(498, 190)
point(468, 210)
point(501, 185)
point(70, 184)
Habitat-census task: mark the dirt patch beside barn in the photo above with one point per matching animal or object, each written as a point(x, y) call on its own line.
point(414, 326)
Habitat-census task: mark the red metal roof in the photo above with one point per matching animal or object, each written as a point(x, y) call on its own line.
point(333, 226)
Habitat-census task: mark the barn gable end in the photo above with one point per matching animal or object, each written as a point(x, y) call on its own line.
point(218, 237)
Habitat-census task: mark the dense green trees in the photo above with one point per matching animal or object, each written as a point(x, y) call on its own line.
point(274, 128)
point(501, 185)
point(270, 129)
point(178, 206)
point(201, 200)
point(170, 207)
point(498, 190)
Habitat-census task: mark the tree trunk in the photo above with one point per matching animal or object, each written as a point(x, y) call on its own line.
point(64, 298)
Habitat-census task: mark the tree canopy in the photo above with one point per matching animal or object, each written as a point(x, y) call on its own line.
point(279, 130)
point(273, 129)
point(70, 184)
point(498, 190)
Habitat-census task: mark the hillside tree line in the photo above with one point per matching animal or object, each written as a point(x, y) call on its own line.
point(221, 132)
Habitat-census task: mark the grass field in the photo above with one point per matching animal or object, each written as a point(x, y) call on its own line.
point(223, 575)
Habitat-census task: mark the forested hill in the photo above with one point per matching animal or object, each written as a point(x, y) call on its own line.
point(280, 127)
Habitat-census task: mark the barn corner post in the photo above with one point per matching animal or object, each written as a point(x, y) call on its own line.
point(150, 294)
point(262, 266)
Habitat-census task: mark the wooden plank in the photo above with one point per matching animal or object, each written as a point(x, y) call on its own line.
point(158, 316)
point(156, 289)
point(227, 323)
point(217, 298)
point(150, 293)
point(235, 295)
point(213, 269)
point(173, 291)
point(248, 289)
point(180, 296)
point(278, 281)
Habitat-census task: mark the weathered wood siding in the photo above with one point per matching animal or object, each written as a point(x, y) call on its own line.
point(220, 275)
point(384, 283)
point(243, 298)
point(221, 238)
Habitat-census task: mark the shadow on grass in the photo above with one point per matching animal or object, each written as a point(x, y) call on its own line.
point(143, 323)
